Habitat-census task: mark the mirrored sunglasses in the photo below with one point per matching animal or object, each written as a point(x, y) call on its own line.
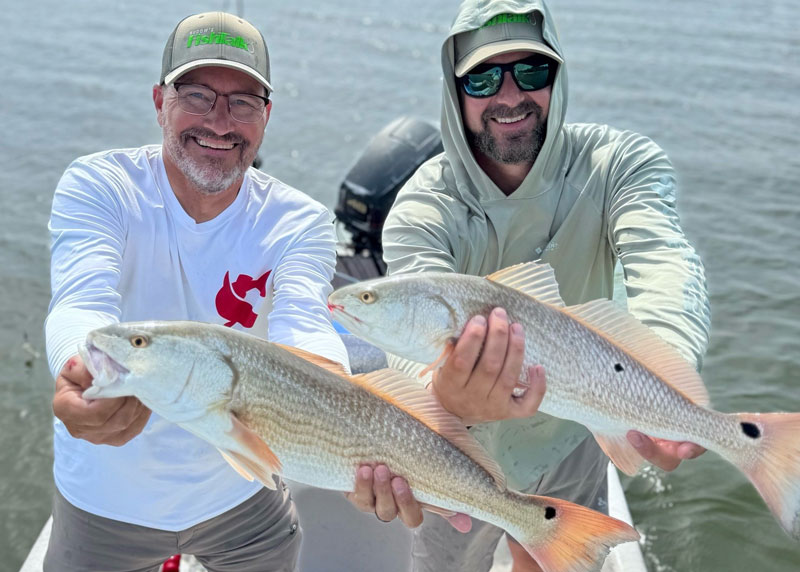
point(530, 74)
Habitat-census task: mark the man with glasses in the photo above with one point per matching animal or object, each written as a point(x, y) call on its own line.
point(517, 184)
point(186, 230)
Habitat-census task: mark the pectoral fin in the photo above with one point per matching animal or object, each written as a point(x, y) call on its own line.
point(448, 349)
point(621, 452)
point(235, 465)
point(446, 513)
point(253, 457)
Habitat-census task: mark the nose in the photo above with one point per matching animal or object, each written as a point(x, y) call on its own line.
point(219, 118)
point(509, 93)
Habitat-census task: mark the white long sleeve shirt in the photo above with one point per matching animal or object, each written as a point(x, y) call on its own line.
point(123, 249)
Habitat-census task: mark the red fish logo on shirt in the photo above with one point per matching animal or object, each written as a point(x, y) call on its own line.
point(231, 303)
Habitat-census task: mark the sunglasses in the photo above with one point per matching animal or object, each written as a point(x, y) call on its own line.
point(531, 74)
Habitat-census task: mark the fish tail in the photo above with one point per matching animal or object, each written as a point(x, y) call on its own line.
point(565, 537)
point(774, 469)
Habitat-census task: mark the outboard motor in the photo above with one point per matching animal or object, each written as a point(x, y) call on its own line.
point(368, 191)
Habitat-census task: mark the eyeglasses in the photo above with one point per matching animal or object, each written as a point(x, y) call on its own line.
point(199, 100)
point(531, 74)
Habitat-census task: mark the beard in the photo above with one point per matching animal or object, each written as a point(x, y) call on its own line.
point(520, 147)
point(209, 175)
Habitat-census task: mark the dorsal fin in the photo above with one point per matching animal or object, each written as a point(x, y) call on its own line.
point(323, 362)
point(619, 327)
point(406, 394)
point(411, 368)
point(535, 279)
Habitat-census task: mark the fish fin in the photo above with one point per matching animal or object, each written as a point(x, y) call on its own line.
point(446, 513)
point(774, 466)
point(577, 539)
point(255, 457)
point(264, 477)
point(535, 279)
point(406, 394)
point(448, 349)
point(623, 330)
point(621, 452)
point(323, 362)
point(236, 466)
point(409, 367)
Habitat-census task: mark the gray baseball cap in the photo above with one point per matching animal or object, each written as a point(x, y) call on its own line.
point(215, 39)
point(502, 34)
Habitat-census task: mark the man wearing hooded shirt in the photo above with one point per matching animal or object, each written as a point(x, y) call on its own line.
point(516, 184)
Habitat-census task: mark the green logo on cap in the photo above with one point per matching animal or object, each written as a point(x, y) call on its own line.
point(212, 38)
point(509, 19)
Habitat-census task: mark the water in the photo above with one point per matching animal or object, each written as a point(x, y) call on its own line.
point(716, 84)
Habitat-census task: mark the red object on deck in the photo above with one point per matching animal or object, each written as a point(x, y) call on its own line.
point(172, 564)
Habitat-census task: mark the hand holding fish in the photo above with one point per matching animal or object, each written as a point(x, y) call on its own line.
point(476, 382)
point(665, 455)
point(390, 497)
point(102, 422)
point(605, 369)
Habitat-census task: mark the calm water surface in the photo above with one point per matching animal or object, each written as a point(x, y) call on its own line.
point(716, 84)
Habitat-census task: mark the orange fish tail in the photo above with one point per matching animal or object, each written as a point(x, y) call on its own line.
point(774, 469)
point(577, 539)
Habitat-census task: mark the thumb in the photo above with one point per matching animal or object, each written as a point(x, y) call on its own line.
point(659, 453)
point(75, 372)
point(461, 522)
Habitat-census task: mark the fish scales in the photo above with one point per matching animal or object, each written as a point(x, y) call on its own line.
point(271, 409)
point(308, 415)
point(604, 369)
point(572, 355)
point(582, 384)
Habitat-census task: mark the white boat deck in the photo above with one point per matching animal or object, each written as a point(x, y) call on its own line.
point(339, 539)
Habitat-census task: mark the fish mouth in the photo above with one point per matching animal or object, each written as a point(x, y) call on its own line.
point(339, 308)
point(107, 373)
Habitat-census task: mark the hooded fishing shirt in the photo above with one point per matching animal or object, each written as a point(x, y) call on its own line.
point(594, 196)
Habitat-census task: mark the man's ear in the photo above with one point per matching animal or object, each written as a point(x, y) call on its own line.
point(267, 110)
point(158, 101)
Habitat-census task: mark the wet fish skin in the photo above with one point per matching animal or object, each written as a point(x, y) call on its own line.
point(604, 369)
point(270, 409)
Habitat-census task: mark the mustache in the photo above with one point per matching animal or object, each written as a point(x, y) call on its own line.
point(504, 111)
point(201, 133)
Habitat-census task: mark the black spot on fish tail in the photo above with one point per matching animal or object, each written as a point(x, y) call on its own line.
point(618, 367)
point(549, 513)
point(751, 430)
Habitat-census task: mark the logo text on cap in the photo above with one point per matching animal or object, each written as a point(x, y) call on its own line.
point(509, 19)
point(212, 38)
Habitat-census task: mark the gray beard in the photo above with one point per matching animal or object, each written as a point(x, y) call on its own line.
point(522, 148)
point(209, 177)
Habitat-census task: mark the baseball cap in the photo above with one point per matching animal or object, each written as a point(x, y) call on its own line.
point(215, 39)
point(502, 34)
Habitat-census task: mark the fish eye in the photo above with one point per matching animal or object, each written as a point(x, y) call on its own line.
point(367, 297)
point(139, 341)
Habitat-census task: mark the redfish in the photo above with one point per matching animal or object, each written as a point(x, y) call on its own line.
point(272, 409)
point(604, 368)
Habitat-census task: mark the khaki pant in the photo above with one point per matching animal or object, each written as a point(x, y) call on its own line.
point(580, 478)
point(260, 535)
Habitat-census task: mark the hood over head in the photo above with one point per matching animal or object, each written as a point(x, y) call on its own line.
point(514, 25)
